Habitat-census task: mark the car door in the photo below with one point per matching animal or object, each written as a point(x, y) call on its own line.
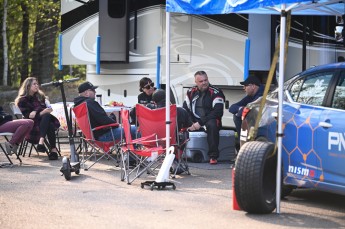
point(331, 137)
point(302, 158)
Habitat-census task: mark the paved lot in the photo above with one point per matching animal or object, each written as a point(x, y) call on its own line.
point(34, 195)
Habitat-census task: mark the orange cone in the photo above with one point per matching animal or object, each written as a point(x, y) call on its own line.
point(234, 199)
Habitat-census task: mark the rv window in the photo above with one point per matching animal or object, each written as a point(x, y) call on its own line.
point(116, 8)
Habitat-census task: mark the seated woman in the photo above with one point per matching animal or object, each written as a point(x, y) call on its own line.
point(19, 128)
point(146, 87)
point(32, 102)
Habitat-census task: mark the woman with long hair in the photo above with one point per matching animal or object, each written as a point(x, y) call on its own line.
point(32, 102)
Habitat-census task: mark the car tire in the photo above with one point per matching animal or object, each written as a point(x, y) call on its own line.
point(255, 177)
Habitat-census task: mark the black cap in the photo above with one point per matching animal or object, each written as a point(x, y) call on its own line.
point(86, 86)
point(251, 80)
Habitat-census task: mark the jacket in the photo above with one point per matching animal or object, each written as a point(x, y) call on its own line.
point(237, 108)
point(27, 104)
point(97, 115)
point(213, 104)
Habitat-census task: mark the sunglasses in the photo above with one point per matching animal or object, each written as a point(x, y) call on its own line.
point(149, 86)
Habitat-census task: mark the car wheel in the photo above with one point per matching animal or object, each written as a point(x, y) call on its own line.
point(255, 177)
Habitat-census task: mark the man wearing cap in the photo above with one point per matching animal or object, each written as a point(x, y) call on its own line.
point(254, 89)
point(98, 116)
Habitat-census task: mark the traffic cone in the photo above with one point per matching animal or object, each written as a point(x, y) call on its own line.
point(234, 200)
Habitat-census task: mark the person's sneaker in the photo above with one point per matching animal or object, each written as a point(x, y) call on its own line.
point(213, 161)
point(53, 156)
point(9, 148)
point(41, 148)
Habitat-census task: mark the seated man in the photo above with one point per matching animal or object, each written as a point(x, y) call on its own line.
point(205, 104)
point(253, 89)
point(98, 116)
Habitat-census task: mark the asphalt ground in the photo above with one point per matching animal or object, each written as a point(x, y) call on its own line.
point(35, 195)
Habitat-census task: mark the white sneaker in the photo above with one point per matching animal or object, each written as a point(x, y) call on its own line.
point(9, 148)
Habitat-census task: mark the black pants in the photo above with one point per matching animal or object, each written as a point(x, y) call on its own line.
point(212, 130)
point(47, 128)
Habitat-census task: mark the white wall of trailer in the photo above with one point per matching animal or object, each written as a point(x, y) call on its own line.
point(197, 43)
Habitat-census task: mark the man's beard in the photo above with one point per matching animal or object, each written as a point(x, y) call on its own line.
point(203, 88)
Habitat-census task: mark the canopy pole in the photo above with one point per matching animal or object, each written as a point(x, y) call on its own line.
point(280, 103)
point(167, 79)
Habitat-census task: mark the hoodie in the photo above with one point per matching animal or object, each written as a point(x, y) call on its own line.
point(97, 115)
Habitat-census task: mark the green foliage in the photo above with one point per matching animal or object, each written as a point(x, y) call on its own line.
point(44, 24)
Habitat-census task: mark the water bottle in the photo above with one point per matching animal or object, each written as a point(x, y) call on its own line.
point(47, 103)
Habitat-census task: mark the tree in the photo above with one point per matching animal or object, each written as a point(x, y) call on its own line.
point(5, 47)
point(24, 69)
point(45, 40)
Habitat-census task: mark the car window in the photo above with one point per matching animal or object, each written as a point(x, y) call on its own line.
point(339, 94)
point(311, 89)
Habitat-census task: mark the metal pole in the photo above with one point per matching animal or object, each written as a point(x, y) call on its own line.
point(158, 67)
point(167, 73)
point(280, 103)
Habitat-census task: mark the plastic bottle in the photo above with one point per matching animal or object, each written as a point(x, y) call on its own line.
point(47, 103)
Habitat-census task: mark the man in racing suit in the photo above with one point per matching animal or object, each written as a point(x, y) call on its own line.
point(205, 103)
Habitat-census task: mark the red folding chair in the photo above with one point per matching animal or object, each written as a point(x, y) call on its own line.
point(106, 149)
point(154, 121)
point(145, 150)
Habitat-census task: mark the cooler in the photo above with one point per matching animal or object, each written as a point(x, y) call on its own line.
point(197, 147)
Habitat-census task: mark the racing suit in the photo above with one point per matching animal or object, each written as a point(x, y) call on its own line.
point(211, 119)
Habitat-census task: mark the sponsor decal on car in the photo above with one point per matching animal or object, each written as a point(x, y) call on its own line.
point(336, 139)
point(298, 170)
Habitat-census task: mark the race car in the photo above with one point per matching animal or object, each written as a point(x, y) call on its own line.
point(313, 141)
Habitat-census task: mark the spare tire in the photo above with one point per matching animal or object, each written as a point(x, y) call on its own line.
point(255, 177)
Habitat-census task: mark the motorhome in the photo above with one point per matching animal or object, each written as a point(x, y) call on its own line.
point(122, 41)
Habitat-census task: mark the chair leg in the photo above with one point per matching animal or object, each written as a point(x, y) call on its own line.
point(8, 158)
point(180, 164)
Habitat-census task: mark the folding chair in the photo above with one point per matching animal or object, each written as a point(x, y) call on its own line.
point(25, 144)
point(105, 148)
point(6, 136)
point(144, 150)
point(154, 121)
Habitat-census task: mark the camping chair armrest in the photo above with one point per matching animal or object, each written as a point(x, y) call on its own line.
point(145, 139)
point(112, 125)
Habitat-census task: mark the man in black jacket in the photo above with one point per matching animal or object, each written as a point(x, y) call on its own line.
point(98, 116)
point(254, 89)
point(205, 104)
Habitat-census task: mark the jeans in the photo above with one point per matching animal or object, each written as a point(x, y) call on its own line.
point(238, 123)
point(118, 134)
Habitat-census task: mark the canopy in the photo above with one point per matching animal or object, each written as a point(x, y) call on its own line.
point(300, 7)
point(297, 7)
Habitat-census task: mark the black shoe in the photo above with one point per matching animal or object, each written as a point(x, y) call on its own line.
point(53, 156)
point(41, 148)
